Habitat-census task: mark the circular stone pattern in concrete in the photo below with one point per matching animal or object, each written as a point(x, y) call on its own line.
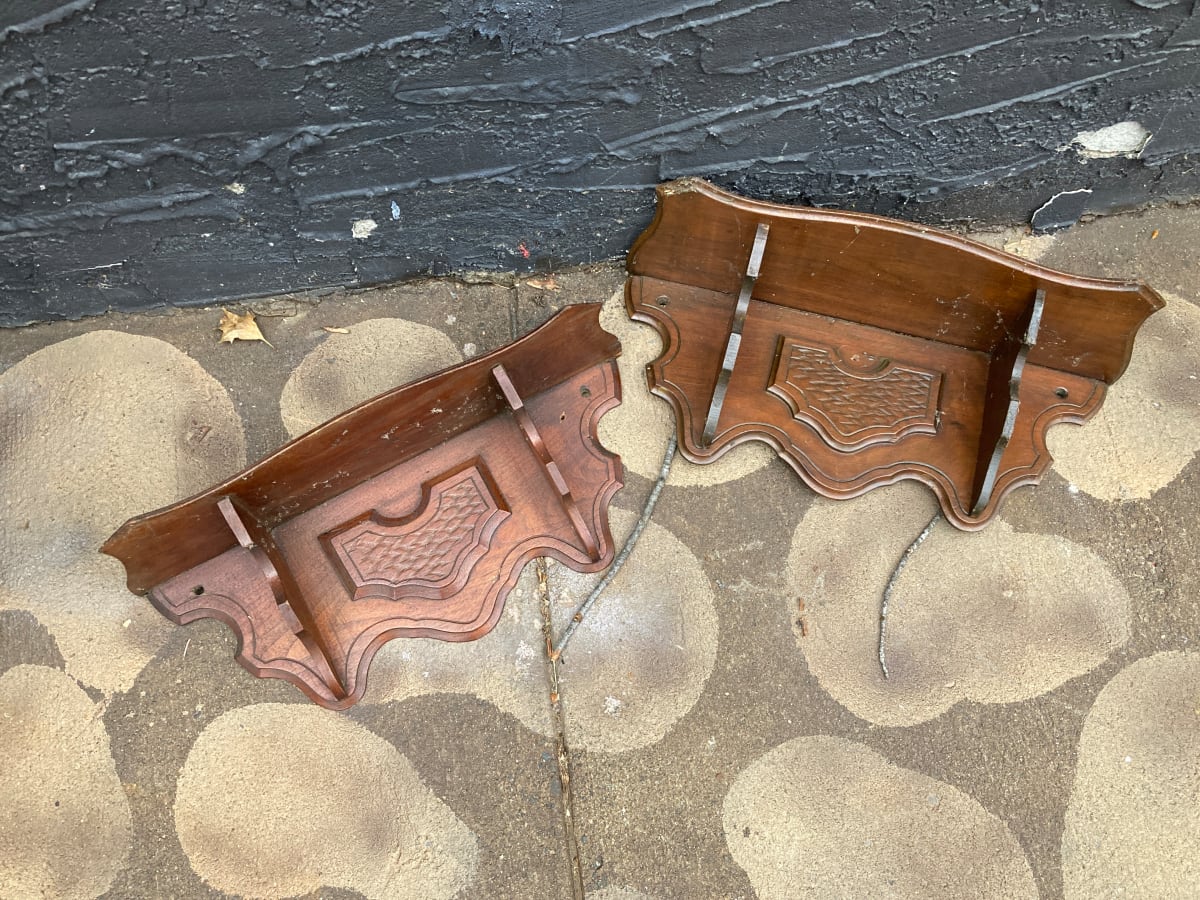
point(822, 817)
point(346, 369)
point(97, 429)
point(994, 616)
point(617, 893)
point(1149, 426)
point(507, 666)
point(1133, 822)
point(626, 680)
point(66, 826)
point(641, 658)
point(276, 800)
point(639, 428)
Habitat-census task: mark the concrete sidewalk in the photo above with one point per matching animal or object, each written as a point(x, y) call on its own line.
point(724, 721)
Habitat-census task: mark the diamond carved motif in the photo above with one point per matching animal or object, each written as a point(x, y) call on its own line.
point(856, 400)
point(425, 555)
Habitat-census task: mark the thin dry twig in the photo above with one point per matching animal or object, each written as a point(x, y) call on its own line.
point(563, 752)
point(543, 592)
point(905, 557)
point(643, 521)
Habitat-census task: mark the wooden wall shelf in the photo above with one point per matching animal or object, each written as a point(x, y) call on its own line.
point(411, 515)
point(866, 350)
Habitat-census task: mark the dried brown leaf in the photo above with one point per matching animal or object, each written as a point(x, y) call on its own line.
point(546, 284)
point(240, 328)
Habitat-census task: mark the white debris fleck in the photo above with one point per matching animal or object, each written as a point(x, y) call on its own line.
point(525, 653)
point(451, 319)
point(395, 211)
point(362, 228)
point(469, 349)
point(236, 188)
point(612, 705)
point(1123, 139)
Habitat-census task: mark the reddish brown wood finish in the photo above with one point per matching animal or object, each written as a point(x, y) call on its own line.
point(873, 350)
point(411, 515)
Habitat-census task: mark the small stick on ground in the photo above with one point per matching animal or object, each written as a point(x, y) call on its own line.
point(543, 589)
point(562, 750)
point(891, 586)
point(644, 520)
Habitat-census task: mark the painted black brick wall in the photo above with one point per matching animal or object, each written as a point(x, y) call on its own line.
point(183, 152)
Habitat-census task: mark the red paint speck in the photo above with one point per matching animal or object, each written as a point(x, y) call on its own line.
point(524, 250)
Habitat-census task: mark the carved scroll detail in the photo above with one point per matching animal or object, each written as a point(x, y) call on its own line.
point(428, 555)
point(855, 401)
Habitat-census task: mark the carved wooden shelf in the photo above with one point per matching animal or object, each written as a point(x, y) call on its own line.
point(411, 515)
point(866, 350)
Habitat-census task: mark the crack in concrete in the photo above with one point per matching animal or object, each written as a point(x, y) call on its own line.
point(562, 750)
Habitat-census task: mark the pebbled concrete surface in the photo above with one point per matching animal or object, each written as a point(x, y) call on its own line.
point(722, 716)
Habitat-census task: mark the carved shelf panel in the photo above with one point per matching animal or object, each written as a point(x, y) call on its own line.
point(853, 398)
point(429, 554)
point(411, 515)
point(866, 350)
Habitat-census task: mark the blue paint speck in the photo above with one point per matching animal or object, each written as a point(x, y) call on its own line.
point(395, 211)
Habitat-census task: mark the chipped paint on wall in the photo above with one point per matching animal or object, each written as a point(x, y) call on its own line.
point(498, 124)
point(1126, 139)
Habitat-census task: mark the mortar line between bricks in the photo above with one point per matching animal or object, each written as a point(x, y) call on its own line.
point(562, 751)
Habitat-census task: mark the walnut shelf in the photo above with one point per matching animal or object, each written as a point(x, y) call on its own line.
point(866, 350)
point(411, 515)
